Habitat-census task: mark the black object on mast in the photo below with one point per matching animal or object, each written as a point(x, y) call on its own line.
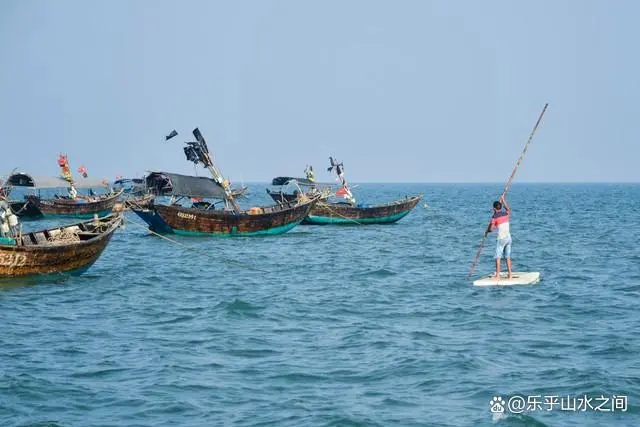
point(198, 152)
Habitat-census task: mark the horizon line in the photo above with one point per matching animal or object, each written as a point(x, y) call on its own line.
point(462, 182)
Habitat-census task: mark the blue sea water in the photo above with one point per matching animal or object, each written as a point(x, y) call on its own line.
point(339, 326)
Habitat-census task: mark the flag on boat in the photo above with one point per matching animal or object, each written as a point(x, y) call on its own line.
point(63, 162)
point(346, 193)
point(171, 135)
point(83, 170)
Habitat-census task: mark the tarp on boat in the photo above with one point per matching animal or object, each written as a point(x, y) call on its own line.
point(21, 179)
point(173, 184)
point(131, 185)
point(284, 180)
point(124, 181)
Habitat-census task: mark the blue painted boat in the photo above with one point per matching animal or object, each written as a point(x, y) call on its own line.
point(325, 212)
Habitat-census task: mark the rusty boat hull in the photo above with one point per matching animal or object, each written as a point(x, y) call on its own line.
point(270, 220)
point(48, 252)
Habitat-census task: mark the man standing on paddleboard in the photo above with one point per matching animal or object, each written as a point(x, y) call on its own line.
point(500, 220)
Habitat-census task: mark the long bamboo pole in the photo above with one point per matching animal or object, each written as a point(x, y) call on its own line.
point(506, 189)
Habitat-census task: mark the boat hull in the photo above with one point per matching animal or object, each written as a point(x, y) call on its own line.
point(72, 209)
point(26, 209)
point(325, 213)
point(281, 197)
point(140, 202)
point(33, 207)
point(199, 222)
point(37, 257)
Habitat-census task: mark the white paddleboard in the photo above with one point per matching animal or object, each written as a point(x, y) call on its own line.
point(521, 278)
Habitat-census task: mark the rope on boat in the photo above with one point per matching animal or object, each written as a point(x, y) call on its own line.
point(226, 261)
point(357, 222)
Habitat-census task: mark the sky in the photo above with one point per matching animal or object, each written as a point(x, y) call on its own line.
point(400, 91)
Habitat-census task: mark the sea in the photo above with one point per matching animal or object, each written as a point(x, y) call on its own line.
point(359, 325)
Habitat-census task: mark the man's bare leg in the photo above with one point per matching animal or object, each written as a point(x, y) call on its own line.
point(509, 267)
point(497, 268)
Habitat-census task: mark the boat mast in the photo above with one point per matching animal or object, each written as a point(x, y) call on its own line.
point(344, 191)
point(198, 151)
point(66, 174)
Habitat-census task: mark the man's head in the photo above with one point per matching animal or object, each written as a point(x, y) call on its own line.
point(497, 206)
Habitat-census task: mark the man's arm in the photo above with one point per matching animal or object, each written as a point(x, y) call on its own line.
point(505, 204)
point(489, 228)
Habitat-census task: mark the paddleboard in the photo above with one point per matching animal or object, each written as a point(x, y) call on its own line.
point(521, 278)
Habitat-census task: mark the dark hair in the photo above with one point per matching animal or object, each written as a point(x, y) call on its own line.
point(497, 205)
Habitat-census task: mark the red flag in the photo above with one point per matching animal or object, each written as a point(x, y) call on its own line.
point(342, 191)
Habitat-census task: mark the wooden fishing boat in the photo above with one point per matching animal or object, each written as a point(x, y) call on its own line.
point(203, 218)
point(300, 186)
point(76, 208)
point(70, 249)
point(135, 193)
point(239, 192)
point(130, 186)
point(25, 209)
point(138, 202)
point(331, 212)
point(80, 206)
point(325, 212)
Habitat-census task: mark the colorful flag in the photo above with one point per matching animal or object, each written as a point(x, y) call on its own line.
point(63, 162)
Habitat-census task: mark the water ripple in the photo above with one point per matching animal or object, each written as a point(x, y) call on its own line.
point(348, 326)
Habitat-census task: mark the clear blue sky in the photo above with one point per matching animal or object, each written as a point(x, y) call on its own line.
point(399, 90)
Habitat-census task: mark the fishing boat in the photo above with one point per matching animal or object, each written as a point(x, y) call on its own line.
point(80, 206)
point(239, 192)
point(130, 186)
point(297, 185)
point(69, 249)
point(140, 201)
point(206, 206)
point(85, 207)
point(73, 204)
point(328, 211)
point(134, 193)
